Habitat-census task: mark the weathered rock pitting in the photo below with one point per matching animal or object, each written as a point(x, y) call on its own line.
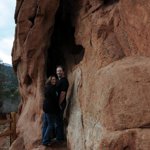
point(106, 53)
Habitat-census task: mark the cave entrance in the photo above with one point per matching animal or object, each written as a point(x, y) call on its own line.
point(62, 41)
point(63, 49)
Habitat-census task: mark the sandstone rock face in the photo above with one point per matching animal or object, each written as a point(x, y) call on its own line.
point(117, 101)
point(35, 21)
point(109, 105)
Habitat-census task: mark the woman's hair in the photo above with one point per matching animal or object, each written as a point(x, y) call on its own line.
point(48, 81)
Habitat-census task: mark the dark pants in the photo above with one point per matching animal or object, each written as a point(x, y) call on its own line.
point(60, 124)
point(49, 123)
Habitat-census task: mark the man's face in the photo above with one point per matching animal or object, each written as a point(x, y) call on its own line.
point(59, 72)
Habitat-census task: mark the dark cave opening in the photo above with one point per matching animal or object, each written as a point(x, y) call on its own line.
point(109, 2)
point(63, 40)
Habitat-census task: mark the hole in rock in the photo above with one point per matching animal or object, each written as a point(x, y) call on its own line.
point(126, 148)
point(109, 2)
point(34, 117)
point(63, 49)
point(28, 80)
point(31, 19)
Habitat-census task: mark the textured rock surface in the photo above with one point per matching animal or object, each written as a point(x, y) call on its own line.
point(35, 21)
point(109, 105)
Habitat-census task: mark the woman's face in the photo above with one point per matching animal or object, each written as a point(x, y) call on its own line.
point(53, 80)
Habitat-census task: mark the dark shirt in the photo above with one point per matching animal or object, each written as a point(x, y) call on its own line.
point(62, 85)
point(51, 104)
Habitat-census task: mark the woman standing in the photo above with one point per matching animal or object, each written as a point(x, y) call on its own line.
point(51, 109)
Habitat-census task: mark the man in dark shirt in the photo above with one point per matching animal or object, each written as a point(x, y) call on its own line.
point(61, 88)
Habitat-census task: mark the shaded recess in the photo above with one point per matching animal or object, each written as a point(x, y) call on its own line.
point(109, 2)
point(62, 41)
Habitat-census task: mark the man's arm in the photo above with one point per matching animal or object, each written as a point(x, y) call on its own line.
point(62, 96)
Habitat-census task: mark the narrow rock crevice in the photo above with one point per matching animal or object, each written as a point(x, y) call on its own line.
point(145, 126)
point(63, 49)
point(109, 2)
point(82, 122)
point(83, 128)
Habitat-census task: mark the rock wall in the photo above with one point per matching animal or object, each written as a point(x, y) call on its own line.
point(34, 26)
point(109, 106)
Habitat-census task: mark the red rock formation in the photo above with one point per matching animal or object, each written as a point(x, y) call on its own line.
point(109, 79)
point(34, 26)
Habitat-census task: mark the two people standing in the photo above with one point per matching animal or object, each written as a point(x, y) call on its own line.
point(54, 105)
